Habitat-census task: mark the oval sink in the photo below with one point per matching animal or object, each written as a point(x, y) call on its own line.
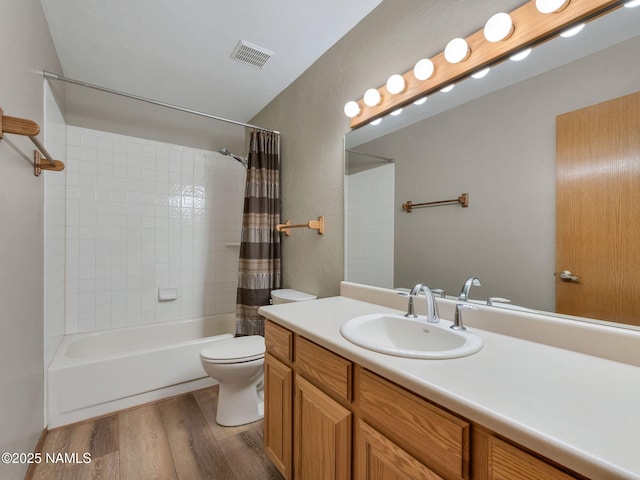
point(413, 338)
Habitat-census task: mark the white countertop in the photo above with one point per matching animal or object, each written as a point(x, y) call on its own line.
point(579, 410)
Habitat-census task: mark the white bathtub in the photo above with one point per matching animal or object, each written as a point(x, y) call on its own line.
point(96, 373)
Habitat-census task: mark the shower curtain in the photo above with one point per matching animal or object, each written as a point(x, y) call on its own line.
point(259, 264)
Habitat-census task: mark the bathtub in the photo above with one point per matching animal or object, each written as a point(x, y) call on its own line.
point(96, 373)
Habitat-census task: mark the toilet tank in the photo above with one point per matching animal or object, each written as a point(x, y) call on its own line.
point(287, 295)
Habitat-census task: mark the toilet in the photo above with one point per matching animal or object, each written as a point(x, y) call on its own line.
point(238, 366)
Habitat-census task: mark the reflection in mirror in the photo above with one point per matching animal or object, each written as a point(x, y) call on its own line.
point(493, 138)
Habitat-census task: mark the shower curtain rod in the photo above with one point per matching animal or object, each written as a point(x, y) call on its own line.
point(154, 102)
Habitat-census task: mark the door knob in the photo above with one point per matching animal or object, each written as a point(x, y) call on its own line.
point(567, 276)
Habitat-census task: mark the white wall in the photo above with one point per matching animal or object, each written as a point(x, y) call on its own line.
point(370, 211)
point(140, 215)
point(27, 49)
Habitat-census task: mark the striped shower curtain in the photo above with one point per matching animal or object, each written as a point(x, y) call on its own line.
point(259, 264)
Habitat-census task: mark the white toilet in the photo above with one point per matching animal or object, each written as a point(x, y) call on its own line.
point(238, 366)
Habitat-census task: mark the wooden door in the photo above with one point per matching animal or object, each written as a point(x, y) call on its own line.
point(598, 211)
point(322, 433)
point(278, 415)
point(378, 458)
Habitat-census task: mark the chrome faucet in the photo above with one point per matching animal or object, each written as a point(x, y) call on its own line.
point(464, 293)
point(432, 307)
point(457, 322)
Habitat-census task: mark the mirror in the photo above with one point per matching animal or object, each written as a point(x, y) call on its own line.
point(493, 138)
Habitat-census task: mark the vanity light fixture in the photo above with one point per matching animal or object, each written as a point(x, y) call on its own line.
point(520, 55)
point(481, 73)
point(632, 3)
point(396, 84)
point(572, 31)
point(457, 50)
point(420, 101)
point(352, 109)
point(534, 22)
point(424, 69)
point(372, 97)
point(499, 27)
point(397, 112)
point(551, 6)
point(448, 88)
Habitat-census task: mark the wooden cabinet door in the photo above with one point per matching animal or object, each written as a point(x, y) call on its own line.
point(378, 458)
point(495, 459)
point(278, 414)
point(322, 434)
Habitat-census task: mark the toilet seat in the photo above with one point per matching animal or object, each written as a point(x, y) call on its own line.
point(235, 350)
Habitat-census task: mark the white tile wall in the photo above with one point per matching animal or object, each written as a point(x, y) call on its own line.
point(142, 215)
point(370, 209)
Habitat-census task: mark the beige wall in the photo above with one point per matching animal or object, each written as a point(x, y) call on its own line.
point(27, 48)
point(309, 114)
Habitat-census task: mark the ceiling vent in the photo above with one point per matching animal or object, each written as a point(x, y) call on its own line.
point(250, 54)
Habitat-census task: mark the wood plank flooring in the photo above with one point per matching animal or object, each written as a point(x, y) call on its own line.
point(177, 438)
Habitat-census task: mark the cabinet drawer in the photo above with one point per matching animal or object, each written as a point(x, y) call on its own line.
point(435, 437)
point(330, 372)
point(500, 460)
point(279, 341)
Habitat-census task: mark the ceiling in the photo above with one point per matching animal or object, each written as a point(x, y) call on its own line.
point(179, 52)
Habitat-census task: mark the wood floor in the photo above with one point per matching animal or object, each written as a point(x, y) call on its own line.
point(176, 438)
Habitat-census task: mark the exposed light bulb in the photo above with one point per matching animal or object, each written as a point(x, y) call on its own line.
point(396, 84)
point(420, 101)
point(520, 55)
point(499, 27)
point(448, 88)
point(376, 121)
point(397, 112)
point(372, 97)
point(551, 6)
point(572, 31)
point(457, 50)
point(481, 73)
point(632, 3)
point(424, 69)
point(352, 109)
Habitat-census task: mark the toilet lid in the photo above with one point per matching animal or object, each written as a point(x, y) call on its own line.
point(238, 349)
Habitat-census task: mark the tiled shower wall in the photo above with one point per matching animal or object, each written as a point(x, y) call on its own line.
point(370, 210)
point(141, 215)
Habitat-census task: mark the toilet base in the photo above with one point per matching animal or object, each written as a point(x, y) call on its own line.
point(238, 405)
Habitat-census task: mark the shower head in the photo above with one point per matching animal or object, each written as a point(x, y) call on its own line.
point(225, 151)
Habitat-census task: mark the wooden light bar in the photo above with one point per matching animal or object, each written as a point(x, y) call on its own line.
point(531, 28)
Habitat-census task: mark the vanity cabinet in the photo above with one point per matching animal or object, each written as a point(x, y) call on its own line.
point(496, 459)
point(426, 432)
point(307, 425)
point(278, 408)
point(322, 433)
point(328, 418)
point(278, 398)
point(378, 458)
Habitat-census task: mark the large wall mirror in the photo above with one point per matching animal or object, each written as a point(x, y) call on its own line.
point(495, 139)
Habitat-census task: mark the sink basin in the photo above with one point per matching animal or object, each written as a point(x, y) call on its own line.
point(394, 334)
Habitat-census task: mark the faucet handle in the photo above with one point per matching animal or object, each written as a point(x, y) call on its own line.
point(457, 322)
point(410, 309)
point(438, 291)
point(490, 300)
